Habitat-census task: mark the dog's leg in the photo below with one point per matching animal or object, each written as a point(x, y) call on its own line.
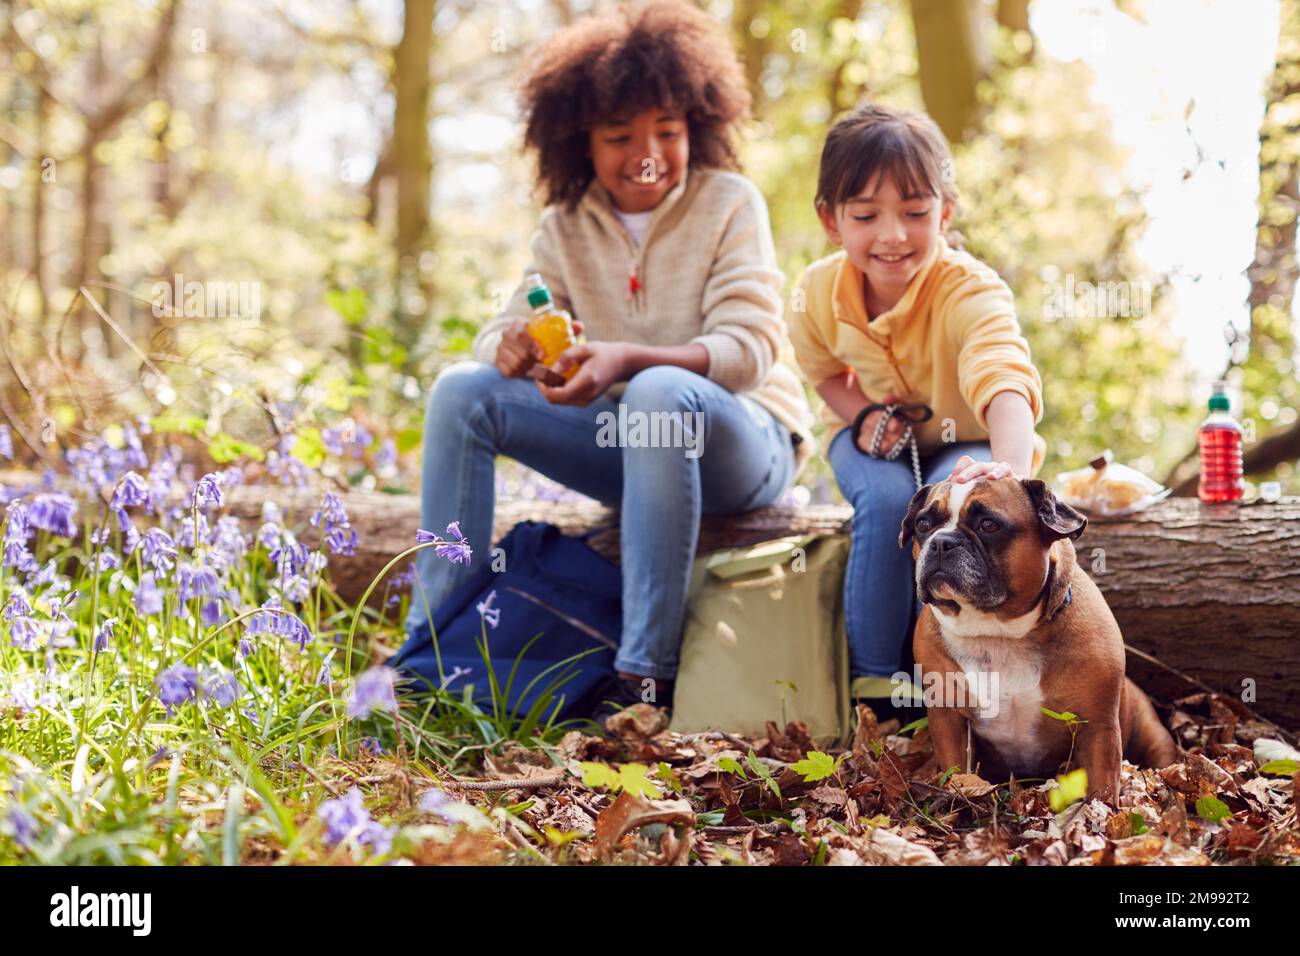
point(948, 734)
point(1149, 743)
point(1100, 752)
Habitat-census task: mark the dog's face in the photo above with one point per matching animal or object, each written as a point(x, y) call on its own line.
point(985, 544)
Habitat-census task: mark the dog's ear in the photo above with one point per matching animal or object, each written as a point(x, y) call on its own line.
point(1056, 519)
point(909, 523)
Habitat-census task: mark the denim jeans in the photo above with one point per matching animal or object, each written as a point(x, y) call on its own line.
point(880, 605)
point(744, 460)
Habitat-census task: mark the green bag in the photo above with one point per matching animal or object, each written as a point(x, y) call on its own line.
point(764, 640)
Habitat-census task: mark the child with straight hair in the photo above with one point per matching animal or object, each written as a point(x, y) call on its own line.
point(898, 317)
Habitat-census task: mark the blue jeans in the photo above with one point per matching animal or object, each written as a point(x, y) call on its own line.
point(880, 603)
point(743, 460)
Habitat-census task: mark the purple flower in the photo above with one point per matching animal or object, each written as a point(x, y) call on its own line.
point(104, 634)
point(325, 675)
point(24, 826)
point(208, 491)
point(289, 558)
point(348, 817)
point(332, 519)
point(108, 560)
point(24, 631)
point(148, 596)
point(369, 745)
point(373, 691)
point(272, 619)
point(54, 513)
point(159, 550)
point(386, 457)
point(131, 492)
point(6, 443)
point(219, 685)
point(194, 580)
point(456, 551)
point(489, 613)
point(17, 533)
point(176, 685)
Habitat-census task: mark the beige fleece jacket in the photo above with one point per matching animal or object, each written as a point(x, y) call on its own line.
point(706, 273)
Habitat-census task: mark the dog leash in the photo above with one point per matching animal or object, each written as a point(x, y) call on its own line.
point(910, 415)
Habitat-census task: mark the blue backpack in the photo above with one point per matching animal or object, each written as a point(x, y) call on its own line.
point(557, 598)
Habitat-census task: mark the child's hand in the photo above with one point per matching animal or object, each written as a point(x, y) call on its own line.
point(519, 351)
point(601, 364)
point(968, 469)
point(893, 431)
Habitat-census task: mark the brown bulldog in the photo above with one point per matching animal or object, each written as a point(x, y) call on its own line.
point(1008, 611)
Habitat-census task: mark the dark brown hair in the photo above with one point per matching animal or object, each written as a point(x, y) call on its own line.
point(662, 54)
point(906, 147)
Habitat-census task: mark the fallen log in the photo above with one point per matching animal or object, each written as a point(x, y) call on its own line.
point(1210, 591)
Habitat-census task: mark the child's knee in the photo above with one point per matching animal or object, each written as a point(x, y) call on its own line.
point(460, 389)
point(661, 388)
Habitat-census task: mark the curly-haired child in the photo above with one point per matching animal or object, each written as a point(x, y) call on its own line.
point(664, 255)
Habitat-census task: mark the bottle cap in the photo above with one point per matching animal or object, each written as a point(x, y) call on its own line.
point(538, 294)
point(1219, 401)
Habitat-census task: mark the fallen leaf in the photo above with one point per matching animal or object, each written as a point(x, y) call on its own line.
point(629, 812)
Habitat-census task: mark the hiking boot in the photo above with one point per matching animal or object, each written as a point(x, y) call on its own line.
point(619, 693)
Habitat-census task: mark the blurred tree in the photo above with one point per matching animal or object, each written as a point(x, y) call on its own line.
point(953, 56)
point(1262, 361)
point(412, 166)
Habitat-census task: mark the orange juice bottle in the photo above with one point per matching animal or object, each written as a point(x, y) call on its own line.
point(551, 328)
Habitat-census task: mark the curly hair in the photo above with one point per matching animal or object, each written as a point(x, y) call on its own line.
point(662, 54)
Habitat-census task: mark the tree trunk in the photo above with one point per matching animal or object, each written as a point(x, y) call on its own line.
point(1212, 591)
point(412, 165)
point(952, 58)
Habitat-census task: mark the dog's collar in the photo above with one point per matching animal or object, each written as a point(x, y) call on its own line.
point(1064, 604)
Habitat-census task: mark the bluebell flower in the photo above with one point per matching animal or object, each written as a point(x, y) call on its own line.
point(370, 746)
point(54, 512)
point(17, 533)
point(373, 691)
point(176, 685)
point(194, 580)
point(131, 492)
point(219, 685)
point(104, 634)
point(457, 551)
point(332, 519)
point(489, 613)
point(208, 491)
point(108, 560)
point(24, 827)
point(272, 619)
point(386, 457)
point(159, 550)
point(347, 817)
point(148, 596)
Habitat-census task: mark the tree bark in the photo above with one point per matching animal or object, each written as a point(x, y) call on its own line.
point(952, 58)
point(412, 164)
point(1212, 591)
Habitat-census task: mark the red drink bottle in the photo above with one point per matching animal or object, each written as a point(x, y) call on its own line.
point(1220, 447)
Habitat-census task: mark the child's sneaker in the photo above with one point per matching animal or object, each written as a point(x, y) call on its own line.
point(619, 693)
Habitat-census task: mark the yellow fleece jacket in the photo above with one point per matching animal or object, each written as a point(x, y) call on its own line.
point(952, 342)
